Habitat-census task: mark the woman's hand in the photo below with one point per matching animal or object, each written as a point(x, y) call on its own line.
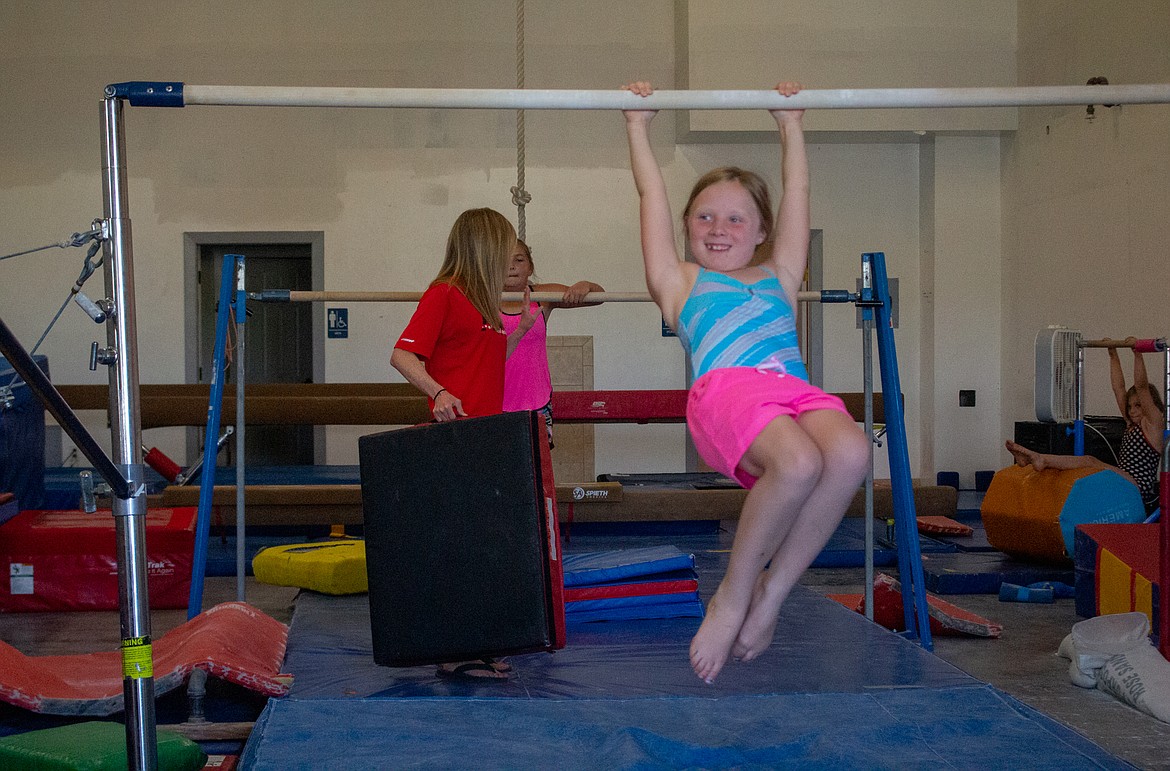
point(641, 88)
point(447, 407)
point(787, 88)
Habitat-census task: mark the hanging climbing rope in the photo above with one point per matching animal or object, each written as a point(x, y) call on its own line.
point(520, 196)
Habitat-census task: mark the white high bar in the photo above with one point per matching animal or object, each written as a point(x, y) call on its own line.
point(616, 99)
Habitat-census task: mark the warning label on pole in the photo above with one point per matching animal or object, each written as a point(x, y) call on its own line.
point(137, 658)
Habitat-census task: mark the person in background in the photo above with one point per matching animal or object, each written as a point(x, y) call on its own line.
point(1141, 445)
point(454, 346)
point(527, 380)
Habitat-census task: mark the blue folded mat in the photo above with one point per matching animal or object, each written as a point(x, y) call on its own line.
point(594, 568)
point(631, 567)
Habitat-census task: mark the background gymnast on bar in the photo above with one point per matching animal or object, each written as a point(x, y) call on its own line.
point(751, 411)
point(527, 379)
point(1141, 445)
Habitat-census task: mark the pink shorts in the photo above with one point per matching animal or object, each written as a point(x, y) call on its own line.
point(728, 408)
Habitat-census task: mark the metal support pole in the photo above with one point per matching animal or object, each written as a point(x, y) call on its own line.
point(126, 431)
point(867, 357)
point(241, 316)
point(914, 606)
point(1078, 429)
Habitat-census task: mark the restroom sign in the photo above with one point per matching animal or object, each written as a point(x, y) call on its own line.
point(338, 322)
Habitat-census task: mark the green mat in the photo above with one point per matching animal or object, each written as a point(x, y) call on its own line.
point(91, 746)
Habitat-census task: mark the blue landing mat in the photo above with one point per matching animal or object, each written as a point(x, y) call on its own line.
point(955, 728)
point(833, 691)
point(330, 656)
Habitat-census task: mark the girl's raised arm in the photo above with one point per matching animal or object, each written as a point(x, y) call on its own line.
point(1141, 384)
point(664, 275)
point(790, 247)
point(1117, 382)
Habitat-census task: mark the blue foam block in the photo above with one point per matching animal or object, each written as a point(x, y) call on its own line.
point(983, 572)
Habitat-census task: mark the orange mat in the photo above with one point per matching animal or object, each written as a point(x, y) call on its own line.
point(945, 618)
point(232, 641)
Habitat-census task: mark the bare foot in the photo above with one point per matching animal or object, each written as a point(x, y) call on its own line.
point(759, 627)
point(711, 645)
point(1024, 456)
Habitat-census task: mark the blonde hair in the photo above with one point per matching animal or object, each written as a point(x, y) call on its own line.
point(478, 250)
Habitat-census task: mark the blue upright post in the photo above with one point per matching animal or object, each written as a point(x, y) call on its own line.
point(210, 446)
point(905, 519)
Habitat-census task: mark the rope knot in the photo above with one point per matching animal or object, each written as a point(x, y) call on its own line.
point(520, 196)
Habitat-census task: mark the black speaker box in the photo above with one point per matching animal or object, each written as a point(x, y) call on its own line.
point(1102, 437)
point(462, 546)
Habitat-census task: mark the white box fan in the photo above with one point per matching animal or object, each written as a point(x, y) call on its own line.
point(1056, 374)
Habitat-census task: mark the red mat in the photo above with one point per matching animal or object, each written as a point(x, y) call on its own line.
point(635, 589)
point(232, 641)
point(68, 560)
point(620, 406)
point(945, 618)
point(936, 525)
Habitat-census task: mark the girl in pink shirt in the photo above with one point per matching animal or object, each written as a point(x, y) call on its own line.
point(527, 381)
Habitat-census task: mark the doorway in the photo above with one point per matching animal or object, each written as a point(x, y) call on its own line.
point(281, 339)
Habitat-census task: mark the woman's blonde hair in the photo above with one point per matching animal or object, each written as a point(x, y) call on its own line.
point(478, 250)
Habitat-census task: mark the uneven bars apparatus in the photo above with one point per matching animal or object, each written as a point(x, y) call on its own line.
point(129, 512)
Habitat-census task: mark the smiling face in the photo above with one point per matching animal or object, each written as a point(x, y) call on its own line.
point(724, 226)
point(1133, 408)
point(519, 269)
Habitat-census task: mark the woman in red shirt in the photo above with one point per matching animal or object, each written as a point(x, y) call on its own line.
point(454, 347)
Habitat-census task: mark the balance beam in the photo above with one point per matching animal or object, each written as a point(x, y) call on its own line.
point(302, 505)
point(386, 404)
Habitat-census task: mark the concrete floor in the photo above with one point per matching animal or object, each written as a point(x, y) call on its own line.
point(1022, 662)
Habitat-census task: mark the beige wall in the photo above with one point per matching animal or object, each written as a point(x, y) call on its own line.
point(384, 186)
point(891, 44)
point(1086, 202)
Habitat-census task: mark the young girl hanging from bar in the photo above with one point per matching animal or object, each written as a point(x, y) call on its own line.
point(1140, 454)
point(751, 411)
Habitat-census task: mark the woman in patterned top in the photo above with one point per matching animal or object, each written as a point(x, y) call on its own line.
point(1141, 445)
